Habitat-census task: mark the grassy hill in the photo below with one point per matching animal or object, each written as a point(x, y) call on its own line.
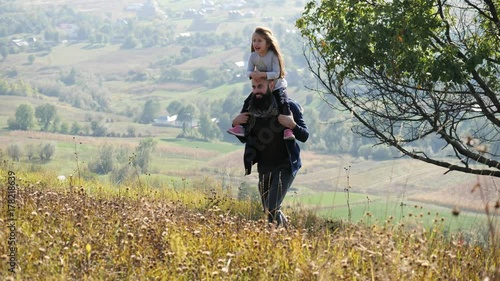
point(86, 230)
point(387, 183)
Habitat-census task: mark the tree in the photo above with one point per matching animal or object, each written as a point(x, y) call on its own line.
point(4, 52)
point(30, 151)
point(233, 103)
point(142, 156)
point(45, 114)
point(130, 43)
point(46, 151)
point(76, 129)
point(31, 59)
point(200, 75)
point(187, 113)
point(24, 118)
point(131, 131)
point(14, 152)
point(64, 129)
point(207, 128)
point(174, 107)
point(150, 111)
point(409, 71)
point(70, 79)
point(105, 161)
point(98, 128)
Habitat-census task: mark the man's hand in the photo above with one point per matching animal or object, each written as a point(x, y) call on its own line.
point(241, 118)
point(287, 121)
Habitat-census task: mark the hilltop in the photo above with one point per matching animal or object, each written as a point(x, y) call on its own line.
point(135, 232)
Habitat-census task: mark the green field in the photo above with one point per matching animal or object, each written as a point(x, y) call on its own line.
point(374, 209)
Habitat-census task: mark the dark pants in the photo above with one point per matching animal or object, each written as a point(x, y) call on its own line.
point(273, 187)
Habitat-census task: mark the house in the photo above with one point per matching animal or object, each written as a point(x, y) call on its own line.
point(171, 121)
point(235, 15)
point(193, 14)
point(20, 42)
point(134, 7)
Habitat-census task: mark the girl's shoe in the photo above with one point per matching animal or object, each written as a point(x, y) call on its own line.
point(288, 134)
point(238, 131)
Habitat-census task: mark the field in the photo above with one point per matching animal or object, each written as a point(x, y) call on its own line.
point(138, 232)
point(386, 183)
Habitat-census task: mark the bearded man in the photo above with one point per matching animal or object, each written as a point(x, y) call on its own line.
point(278, 160)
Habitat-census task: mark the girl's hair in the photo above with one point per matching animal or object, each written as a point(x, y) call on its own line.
point(274, 46)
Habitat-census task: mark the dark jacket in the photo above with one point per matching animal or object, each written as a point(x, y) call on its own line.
point(301, 134)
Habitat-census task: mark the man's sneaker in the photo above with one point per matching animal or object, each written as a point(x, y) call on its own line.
point(238, 131)
point(288, 135)
point(282, 221)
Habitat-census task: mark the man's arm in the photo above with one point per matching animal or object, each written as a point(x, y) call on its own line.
point(300, 131)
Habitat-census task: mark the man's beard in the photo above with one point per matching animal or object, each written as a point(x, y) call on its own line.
point(264, 106)
point(264, 102)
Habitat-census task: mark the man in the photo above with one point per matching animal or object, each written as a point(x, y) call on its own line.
point(278, 160)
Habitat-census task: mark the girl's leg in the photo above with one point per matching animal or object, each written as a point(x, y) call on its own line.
point(284, 108)
point(241, 130)
point(283, 100)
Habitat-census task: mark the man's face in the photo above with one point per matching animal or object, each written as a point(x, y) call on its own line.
point(260, 88)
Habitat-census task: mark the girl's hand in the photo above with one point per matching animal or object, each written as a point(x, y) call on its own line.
point(259, 74)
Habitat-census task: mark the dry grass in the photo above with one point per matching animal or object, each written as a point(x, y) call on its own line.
point(132, 233)
point(465, 196)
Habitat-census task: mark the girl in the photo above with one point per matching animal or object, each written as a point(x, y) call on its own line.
point(266, 61)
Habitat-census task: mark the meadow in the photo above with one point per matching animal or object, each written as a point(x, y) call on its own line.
point(396, 223)
point(89, 231)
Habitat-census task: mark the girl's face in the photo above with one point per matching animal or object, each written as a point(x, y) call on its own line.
point(260, 45)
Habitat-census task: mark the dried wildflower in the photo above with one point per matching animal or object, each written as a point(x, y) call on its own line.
point(482, 148)
point(344, 263)
point(455, 211)
point(497, 204)
point(469, 141)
